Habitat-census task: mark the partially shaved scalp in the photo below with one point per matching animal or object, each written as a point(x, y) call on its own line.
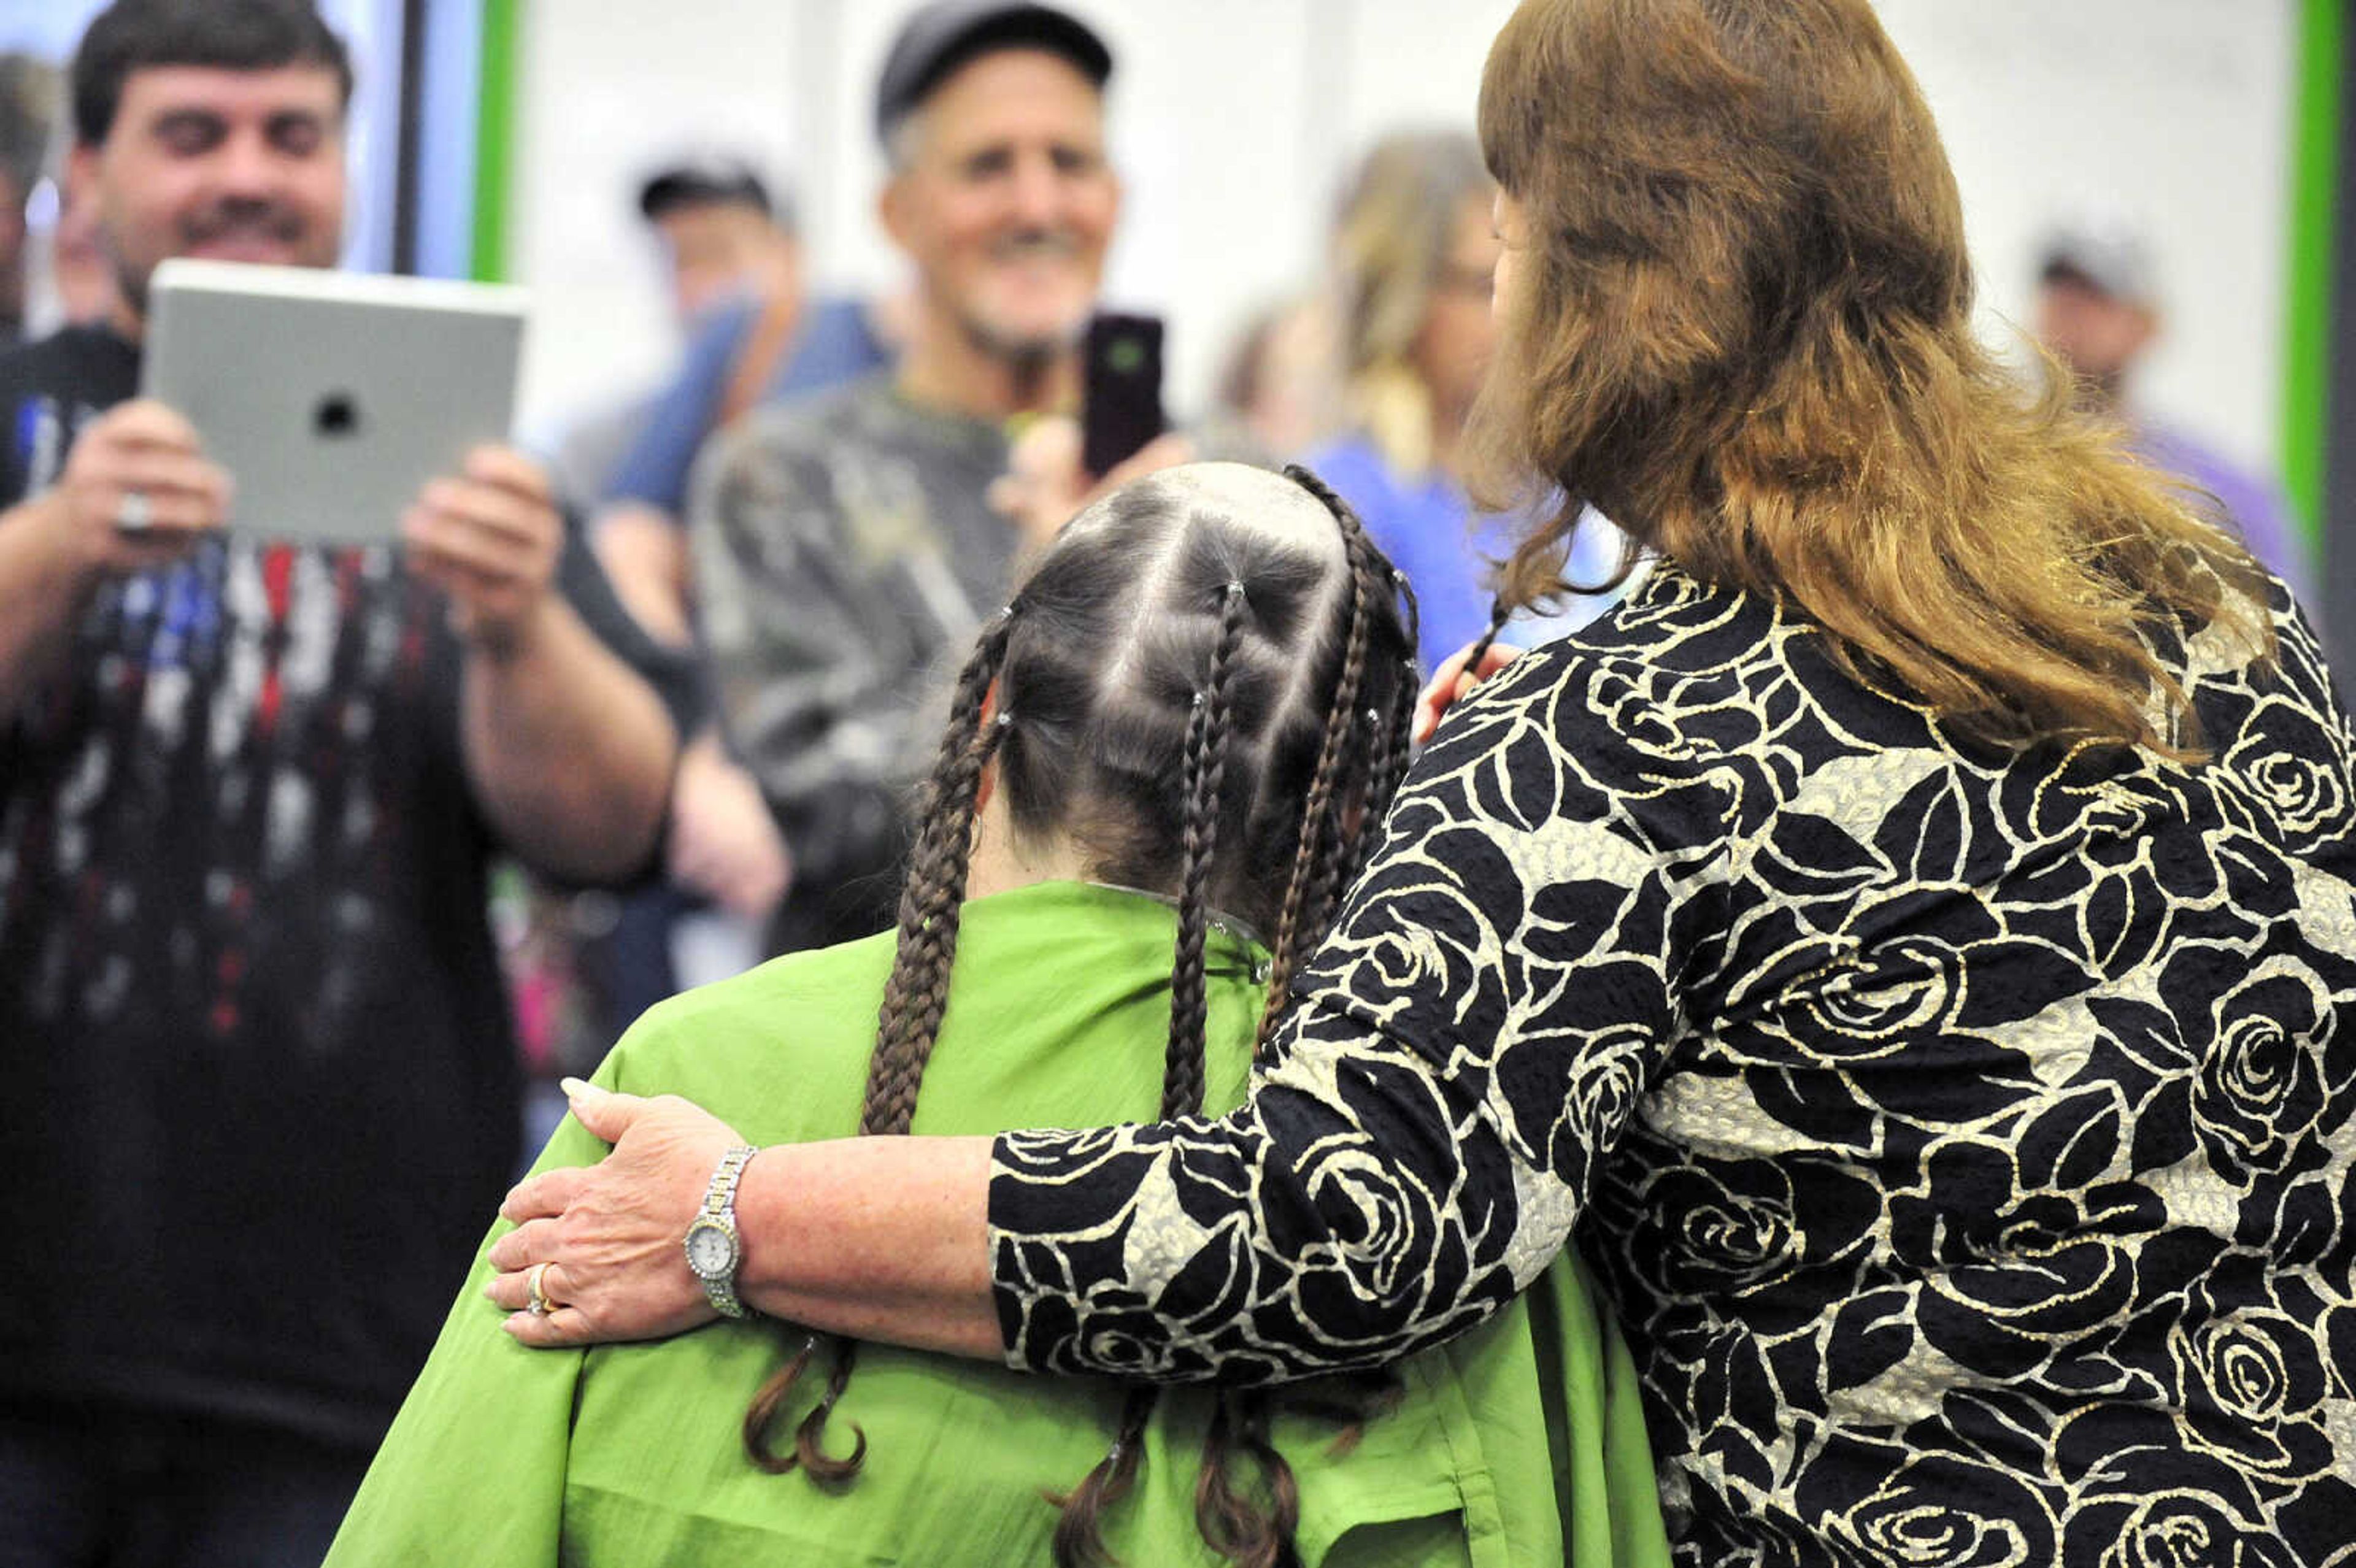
point(1244, 496)
point(1122, 617)
point(1243, 517)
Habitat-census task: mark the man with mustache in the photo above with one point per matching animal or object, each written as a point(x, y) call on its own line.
point(843, 545)
point(250, 1012)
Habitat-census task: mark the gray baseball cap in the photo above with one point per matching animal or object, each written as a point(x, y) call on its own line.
point(939, 37)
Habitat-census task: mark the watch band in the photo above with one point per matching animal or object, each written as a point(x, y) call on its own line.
point(719, 1212)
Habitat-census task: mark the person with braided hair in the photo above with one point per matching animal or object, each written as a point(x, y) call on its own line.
point(1165, 761)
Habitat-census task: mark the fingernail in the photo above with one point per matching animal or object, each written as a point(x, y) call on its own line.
point(574, 1087)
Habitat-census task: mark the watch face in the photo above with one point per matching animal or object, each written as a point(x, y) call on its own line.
point(710, 1250)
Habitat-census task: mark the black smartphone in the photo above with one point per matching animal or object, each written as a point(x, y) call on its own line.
point(1121, 391)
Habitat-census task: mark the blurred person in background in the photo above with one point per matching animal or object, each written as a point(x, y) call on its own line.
point(28, 96)
point(722, 233)
point(249, 1010)
point(2098, 310)
point(736, 263)
point(82, 286)
point(844, 546)
point(1413, 248)
point(1277, 391)
point(733, 255)
point(733, 268)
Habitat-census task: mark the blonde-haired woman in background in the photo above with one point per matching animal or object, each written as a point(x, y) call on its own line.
point(1414, 244)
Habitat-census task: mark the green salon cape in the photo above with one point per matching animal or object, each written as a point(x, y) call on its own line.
point(1520, 1443)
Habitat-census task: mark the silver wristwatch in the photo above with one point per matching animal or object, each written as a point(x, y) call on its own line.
point(712, 1248)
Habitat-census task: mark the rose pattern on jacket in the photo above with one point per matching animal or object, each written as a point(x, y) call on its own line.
point(1964, 1137)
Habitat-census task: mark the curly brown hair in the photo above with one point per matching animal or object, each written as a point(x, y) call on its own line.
point(1746, 338)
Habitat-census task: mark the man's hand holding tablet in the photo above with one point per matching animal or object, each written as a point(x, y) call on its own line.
point(488, 536)
point(136, 492)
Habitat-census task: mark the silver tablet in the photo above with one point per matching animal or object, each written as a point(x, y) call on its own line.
point(331, 398)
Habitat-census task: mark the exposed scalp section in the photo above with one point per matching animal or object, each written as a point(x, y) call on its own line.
point(1119, 626)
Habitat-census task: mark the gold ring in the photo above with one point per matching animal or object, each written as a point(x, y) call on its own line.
point(533, 1281)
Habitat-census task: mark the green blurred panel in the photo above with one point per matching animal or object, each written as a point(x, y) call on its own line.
point(2314, 220)
point(503, 23)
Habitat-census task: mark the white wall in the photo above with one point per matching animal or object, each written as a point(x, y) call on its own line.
point(1232, 120)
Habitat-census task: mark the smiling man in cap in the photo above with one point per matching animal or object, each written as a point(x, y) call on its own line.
point(844, 546)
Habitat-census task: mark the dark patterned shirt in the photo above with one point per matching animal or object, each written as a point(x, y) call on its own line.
point(1965, 1136)
point(251, 1021)
point(844, 557)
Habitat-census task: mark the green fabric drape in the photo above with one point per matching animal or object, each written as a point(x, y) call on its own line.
point(630, 1454)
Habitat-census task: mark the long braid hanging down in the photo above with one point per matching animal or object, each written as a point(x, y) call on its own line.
point(1079, 1539)
point(1386, 729)
point(1299, 890)
point(1326, 855)
point(1390, 760)
point(917, 993)
point(1499, 614)
point(1205, 773)
point(913, 1000)
point(1230, 1522)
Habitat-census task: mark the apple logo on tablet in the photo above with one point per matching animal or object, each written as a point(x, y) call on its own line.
point(338, 414)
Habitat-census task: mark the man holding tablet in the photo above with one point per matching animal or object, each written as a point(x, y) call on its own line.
point(250, 1012)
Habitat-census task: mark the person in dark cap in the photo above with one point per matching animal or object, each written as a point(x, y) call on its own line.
point(843, 545)
point(938, 38)
point(718, 226)
point(729, 252)
point(2098, 310)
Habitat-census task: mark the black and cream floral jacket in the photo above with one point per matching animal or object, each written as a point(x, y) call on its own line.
point(1964, 1137)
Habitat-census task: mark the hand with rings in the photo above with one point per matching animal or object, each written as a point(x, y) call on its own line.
point(136, 492)
point(595, 1255)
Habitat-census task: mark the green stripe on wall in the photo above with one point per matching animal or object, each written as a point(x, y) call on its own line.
point(494, 138)
point(2315, 189)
